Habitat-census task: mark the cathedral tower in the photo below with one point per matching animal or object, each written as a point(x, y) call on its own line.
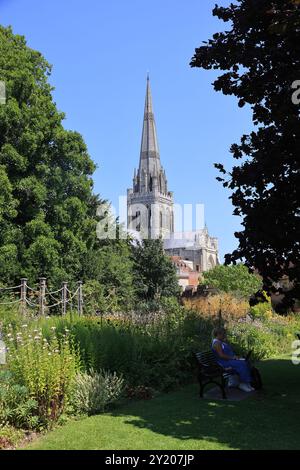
point(149, 203)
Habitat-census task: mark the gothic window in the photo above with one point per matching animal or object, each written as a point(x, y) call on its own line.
point(160, 220)
point(150, 184)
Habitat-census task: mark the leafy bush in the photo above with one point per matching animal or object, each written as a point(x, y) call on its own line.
point(10, 437)
point(93, 392)
point(16, 406)
point(262, 309)
point(47, 368)
point(252, 336)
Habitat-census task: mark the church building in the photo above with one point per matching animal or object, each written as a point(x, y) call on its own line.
point(150, 211)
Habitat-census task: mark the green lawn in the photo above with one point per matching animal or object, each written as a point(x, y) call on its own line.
point(182, 421)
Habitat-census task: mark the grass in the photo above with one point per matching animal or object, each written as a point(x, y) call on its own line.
point(182, 421)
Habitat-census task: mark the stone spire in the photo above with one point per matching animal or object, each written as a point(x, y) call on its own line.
point(150, 204)
point(149, 155)
point(150, 176)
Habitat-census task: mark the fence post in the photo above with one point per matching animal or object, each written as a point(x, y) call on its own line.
point(64, 298)
point(42, 295)
point(23, 295)
point(80, 298)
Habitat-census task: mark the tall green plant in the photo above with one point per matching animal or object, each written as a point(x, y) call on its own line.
point(47, 368)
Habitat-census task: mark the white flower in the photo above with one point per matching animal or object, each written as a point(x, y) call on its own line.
point(53, 328)
point(24, 326)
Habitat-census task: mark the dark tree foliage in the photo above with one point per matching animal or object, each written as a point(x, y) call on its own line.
point(155, 274)
point(48, 211)
point(260, 57)
point(47, 207)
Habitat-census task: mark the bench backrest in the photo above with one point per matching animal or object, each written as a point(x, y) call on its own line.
point(206, 360)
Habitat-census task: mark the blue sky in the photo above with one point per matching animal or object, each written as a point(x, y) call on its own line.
point(101, 51)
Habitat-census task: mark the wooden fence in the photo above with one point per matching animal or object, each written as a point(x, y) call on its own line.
point(41, 299)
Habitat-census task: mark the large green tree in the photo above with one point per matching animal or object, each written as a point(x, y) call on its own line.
point(260, 55)
point(47, 207)
point(155, 274)
point(111, 269)
point(235, 279)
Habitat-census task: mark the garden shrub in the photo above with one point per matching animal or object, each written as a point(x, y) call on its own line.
point(94, 391)
point(16, 406)
point(262, 309)
point(252, 336)
point(47, 368)
point(10, 436)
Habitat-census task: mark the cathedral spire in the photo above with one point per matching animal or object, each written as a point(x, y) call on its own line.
point(150, 204)
point(149, 145)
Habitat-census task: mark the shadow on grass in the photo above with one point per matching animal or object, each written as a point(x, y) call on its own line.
point(270, 420)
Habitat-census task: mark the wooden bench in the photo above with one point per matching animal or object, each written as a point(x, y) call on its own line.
point(210, 372)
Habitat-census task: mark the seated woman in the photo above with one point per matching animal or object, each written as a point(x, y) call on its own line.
point(227, 359)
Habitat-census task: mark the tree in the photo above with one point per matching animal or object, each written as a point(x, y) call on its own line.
point(111, 269)
point(260, 54)
point(233, 279)
point(155, 275)
point(47, 207)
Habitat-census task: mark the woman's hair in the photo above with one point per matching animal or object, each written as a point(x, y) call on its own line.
point(217, 331)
